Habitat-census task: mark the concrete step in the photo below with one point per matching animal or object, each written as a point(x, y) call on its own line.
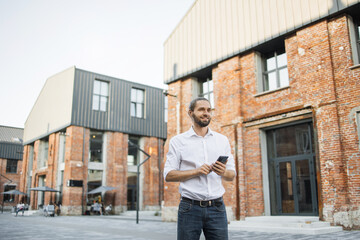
point(287, 219)
point(284, 224)
point(294, 225)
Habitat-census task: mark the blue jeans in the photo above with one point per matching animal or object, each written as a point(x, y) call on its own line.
point(193, 218)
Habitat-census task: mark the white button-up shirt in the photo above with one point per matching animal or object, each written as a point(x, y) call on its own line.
point(188, 151)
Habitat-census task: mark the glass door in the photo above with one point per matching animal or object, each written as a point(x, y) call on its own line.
point(131, 191)
point(292, 177)
point(304, 186)
point(296, 188)
point(286, 193)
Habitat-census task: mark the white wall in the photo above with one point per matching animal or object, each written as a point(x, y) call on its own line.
point(52, 109)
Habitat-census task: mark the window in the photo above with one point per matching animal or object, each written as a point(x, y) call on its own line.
point(137, 103)
point(132, 158)
point(358, 124)
point(166, 109)
point(41, 195)
point(357, 30)
point(207, 91)
point(11, 166)
point(9, 197)
point(60, 187)
point(94, 179)
point(30, 158)
point(96, 143)
point(275, 73)
point(100, 95)
point(30, 169)
point(43, 153)
point(62, 144)
point(354, 31)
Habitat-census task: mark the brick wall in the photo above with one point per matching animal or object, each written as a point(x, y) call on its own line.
point(347, 93)
point(15, 181)
point(117, 148)
point(151, 186)
point(76, 162)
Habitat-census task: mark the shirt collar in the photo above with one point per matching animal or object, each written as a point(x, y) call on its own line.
point(192, 133)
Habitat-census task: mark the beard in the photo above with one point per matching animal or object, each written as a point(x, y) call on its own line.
point(199, 122)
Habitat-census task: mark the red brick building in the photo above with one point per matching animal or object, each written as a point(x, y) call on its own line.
point(11, 150)
point(84, 132)
point(284, 81)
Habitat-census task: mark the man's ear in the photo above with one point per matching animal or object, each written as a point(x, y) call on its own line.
point(189, 113)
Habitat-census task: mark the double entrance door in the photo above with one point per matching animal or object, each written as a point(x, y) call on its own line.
point(292, 173)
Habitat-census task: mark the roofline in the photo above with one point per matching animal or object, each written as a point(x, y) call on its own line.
point(12, 127)
point(120, 79)
point(13, 143)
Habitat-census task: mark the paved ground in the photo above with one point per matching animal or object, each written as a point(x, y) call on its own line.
point(120, 227)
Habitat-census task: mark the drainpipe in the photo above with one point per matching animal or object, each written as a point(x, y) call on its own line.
point(238, 199)
point(160, 175)
point(82, 158)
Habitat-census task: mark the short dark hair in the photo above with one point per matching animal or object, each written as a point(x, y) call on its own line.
point(194, 101)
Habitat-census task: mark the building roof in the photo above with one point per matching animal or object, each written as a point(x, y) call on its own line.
point(11, 134)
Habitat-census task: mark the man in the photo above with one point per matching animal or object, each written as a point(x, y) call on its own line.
point(20, 207)
point(191, 160)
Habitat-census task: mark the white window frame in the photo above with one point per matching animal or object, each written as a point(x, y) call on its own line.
point(100, 95)
point(137, 101)
point(276, 70)
point(207, 93)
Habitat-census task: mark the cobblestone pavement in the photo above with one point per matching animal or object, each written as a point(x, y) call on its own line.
point(116, 227)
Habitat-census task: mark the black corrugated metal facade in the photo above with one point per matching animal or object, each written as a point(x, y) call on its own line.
point(11, 150)
point(117, 117)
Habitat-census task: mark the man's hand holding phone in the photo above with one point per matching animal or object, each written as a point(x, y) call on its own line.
point(219, 167)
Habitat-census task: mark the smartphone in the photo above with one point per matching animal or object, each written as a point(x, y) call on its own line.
point(222, 159)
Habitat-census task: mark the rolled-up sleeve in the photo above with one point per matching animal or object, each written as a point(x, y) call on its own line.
point(230, 165)
point(172, 158)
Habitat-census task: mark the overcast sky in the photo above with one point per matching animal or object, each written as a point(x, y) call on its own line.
point(118, 38)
